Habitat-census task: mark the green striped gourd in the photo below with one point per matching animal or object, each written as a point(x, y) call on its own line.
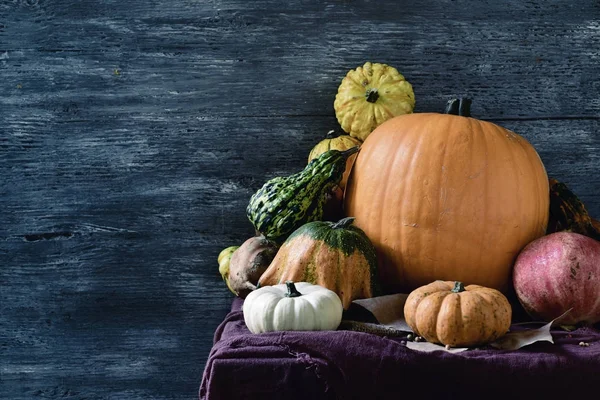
point(284, 204)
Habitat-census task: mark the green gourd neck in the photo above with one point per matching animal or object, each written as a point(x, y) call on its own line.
point(291, 290)
point(458, 287)
point(350, 151)
point(461, 107)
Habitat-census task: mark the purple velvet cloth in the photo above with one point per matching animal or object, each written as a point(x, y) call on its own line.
point(354, 365)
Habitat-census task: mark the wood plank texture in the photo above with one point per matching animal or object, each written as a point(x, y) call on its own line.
point(132, 135)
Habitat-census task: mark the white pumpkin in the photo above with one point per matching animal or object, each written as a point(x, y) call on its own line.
point(292, 307)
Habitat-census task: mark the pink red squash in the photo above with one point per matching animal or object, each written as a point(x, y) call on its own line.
point(557, 272)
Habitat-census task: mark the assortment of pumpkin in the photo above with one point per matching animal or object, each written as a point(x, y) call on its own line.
point(426, 202)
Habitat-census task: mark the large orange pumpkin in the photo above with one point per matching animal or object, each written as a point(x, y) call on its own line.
point(447, 197)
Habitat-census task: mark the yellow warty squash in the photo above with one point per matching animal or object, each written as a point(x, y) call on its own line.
point(370, 95)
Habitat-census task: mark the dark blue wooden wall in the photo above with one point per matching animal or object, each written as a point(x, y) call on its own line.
point(132, 134)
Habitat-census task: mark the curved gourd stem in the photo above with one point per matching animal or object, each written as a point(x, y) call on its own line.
point(350, 151)
point(460, 107)
point(291, 290)
point(343, 223)
point(458, 287)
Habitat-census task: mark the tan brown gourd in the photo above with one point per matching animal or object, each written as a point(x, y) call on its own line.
point(248, 263)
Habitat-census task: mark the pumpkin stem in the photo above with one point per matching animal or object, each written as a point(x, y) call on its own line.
point(372, 95)
point(291, 290)
point(458, 287)
point(460, 107)
point(343, 223)
point(332, 134)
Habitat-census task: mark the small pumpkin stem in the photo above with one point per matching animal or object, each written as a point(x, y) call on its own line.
point(372, 95)
point(332, 134)
point(460, 107)
point(291, 290)
point(343, 223)
point(458, 287)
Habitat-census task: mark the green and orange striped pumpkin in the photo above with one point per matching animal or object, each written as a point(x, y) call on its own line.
point(335, 255)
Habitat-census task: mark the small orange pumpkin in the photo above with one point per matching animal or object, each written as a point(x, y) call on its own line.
point(456, 315)
point(447, 197)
